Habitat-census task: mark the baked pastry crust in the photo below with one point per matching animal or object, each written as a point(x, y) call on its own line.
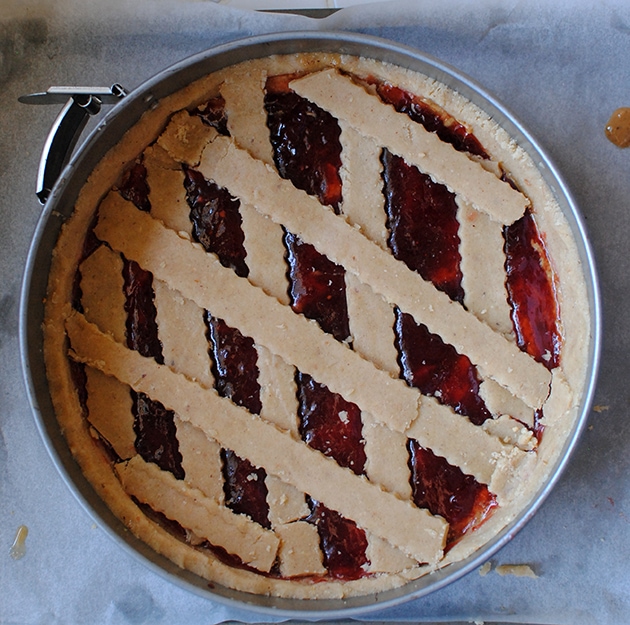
point(284, 559)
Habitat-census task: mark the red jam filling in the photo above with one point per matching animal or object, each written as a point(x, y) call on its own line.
point(317, 287)
point(331, 424)
point(244, 488)
point(423, 226)
point(155, 430)
point(446, 491)
point(423, 234)
point(305, 141)
point(531, 292)
point(235, 364)
point(435, 368)
point(142, 331)
point(343, 543)
point(216, 221)
point(79, 379)
point(134, 187)
point(212, 113)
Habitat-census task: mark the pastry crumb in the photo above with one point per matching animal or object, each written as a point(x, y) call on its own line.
point(518, 570)
point(485, 569)
point(599, 408)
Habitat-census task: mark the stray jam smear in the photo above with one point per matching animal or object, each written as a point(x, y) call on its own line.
point(531, 292)
point(18, 548)
point(618, 127)
point(446, 491)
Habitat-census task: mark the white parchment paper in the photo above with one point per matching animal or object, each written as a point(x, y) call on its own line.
point(562, 68)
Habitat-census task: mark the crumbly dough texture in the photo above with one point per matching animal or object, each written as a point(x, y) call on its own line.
point(404, 541)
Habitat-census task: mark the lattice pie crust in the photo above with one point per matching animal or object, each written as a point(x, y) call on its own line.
point(284, 558)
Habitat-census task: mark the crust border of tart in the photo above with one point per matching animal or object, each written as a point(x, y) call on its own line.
point(561, 409)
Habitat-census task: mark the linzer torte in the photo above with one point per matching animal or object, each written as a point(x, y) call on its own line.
point(316, 327)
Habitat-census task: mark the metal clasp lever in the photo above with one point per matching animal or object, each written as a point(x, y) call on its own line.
point(79, 104)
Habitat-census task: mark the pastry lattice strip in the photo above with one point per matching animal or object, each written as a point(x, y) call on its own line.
point(352, 104)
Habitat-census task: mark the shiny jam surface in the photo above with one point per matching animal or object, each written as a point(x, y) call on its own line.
point(134, 187)
point(421, 218)
point(318, 287)
point(156, 439)
point(305, 142)
point(423, 226)
point(445, 490)
point(235, 369)
point(216, 221)
point(244, 487)
point(142, 332)
point(343, 543)
point(331, 424)
point(531, 292)
point(436, 369)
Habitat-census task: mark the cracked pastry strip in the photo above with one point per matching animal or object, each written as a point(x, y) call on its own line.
point(361, 171)
point(440, 427)
point(102, 287)
point(109, 411)
point(201, 460)
point(182, 333)
point(411, 529)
